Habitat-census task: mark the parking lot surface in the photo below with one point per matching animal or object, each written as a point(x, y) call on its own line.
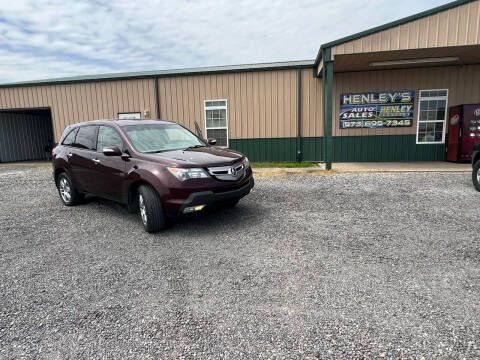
point(337, 266)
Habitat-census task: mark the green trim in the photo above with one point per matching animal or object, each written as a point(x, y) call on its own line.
point(157, 100)
point(345, 149)
point(384, 148)
point(389, 25)
point(328, 64)
point(167, 73)
point(299, 115)
point(279, 149)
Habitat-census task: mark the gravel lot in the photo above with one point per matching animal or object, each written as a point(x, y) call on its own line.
point(336, 266)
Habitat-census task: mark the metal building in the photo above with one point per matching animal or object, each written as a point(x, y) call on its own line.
point(384, 95)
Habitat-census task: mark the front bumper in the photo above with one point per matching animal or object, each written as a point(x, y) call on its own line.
point(209, 198)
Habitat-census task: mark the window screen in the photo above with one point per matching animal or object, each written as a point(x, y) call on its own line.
point(86, 137)
point(432, 113)
point(216, 121)
point(107, 137)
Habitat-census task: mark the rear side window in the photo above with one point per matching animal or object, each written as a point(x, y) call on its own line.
point(70, 138)
point(108, 136)
point(86, 137)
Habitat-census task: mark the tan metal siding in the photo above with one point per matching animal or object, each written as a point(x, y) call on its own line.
point(261, 104)
point(461, 81)
point(72, 103)
point(455, 27)
point(312, 115)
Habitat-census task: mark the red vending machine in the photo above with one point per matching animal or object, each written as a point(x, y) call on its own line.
point(463, 132)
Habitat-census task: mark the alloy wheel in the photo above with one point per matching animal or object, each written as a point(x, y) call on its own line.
point(65, 190)
point(143, 211)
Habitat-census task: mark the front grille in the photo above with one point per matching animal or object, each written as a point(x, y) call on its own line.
point(227, 173)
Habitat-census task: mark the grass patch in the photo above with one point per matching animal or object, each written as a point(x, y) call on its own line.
point(302, 164)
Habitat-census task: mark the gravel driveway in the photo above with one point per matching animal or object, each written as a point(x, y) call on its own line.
point(337, 266)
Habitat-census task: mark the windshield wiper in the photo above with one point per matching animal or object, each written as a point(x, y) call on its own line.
point(194, 147)
point(154, 151)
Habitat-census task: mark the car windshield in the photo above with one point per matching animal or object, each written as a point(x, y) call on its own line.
point(152, 138)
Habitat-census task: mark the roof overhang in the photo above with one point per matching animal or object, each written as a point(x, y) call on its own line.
point(386, 26)
point(406, 59)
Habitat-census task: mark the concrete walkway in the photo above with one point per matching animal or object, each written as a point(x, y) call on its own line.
point(416, 166)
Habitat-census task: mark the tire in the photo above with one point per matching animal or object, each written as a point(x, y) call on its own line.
point(68, 194)
point(476, 175)
point(150, 209)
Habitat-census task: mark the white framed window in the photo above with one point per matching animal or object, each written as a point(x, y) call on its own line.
point(132, 115)
point(432, 113)
point(216, 121)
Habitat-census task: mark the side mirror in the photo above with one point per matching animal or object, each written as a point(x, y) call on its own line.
point(112, 151)
point(212, 141)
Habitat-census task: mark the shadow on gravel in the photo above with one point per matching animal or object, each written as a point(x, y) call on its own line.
point(244, 215)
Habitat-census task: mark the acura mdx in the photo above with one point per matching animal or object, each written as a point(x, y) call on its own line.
point(157, 168)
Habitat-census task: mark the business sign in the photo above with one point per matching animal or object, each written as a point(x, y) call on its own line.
point(377, 109)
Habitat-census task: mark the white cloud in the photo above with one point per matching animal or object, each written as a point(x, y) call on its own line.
point(43, 39)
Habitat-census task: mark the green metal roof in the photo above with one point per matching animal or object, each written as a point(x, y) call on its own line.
point(164, 73)
point(389, 25)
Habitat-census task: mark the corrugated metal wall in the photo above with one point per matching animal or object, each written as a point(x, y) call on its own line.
point(72, 103)
point(312, 114)
point(261, 104)
point(461, 81)
point(453, 27)
point(24, 136)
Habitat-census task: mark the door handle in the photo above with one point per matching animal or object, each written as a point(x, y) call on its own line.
point(69, 155)
point(96, 161)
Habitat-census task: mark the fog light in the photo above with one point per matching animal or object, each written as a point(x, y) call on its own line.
point(191, 209)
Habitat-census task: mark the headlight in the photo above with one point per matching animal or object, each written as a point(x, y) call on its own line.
point(190, 173)
point(246, 163)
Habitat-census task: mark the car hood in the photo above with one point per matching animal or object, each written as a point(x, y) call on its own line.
point(201, 157)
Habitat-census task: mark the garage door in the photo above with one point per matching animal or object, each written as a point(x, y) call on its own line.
point(25, 135)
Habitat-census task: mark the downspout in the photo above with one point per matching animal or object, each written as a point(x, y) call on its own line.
point(157, 100)
point(299, 115)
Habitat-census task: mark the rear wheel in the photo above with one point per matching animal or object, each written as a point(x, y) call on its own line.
point(151, 209)
point(476, 175)
point(68, 194)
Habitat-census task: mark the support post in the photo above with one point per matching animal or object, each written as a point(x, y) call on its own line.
point(328, 65)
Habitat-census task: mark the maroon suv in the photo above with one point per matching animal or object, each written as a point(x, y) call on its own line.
point(158, 168)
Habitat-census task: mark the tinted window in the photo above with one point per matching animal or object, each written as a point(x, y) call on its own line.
point(86, 137)
point(108, 136)
point(70, 138)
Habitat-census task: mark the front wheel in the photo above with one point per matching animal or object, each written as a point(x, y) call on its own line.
point(476, 175)
point(69, 195)
point(151, 209)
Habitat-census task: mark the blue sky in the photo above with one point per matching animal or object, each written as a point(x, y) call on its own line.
point(46, 39)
